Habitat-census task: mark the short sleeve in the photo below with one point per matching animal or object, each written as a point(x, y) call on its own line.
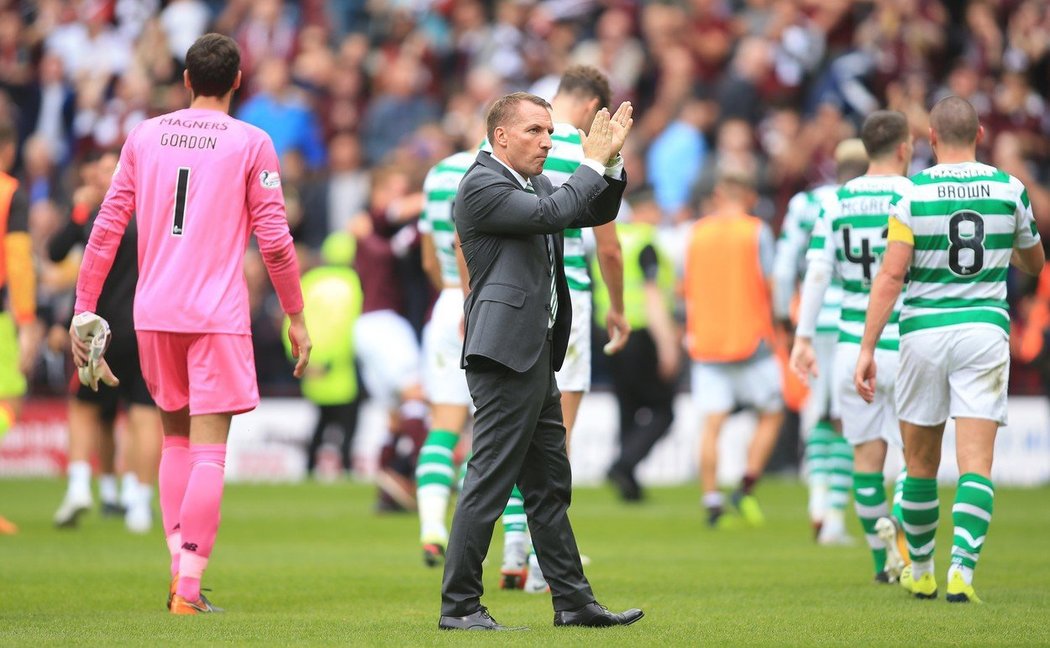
point(822, 243)
point(1026, 234)
point(649, 263)
point(900, 220)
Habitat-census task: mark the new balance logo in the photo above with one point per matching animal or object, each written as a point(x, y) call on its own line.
point(189, 546)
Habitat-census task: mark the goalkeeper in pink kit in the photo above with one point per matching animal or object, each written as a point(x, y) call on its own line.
point(200, 183)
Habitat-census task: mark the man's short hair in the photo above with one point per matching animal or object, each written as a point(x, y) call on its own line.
point(955, 121)
point(213, 62)
point(586, 82)
point(506, 107)
point(883, 131)
point(851, 159)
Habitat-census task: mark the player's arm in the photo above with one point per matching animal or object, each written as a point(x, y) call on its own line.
point(1028, 254)
point(789, 250)
point(661, 324)
point(900, 245)
point(820, 266)
point(270, 226)
point(106, 233)
point(610, 262)
point(430, 260)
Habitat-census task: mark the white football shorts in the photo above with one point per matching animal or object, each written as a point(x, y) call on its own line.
point(575, 373)
point(721, 386)
point(957, 372)
point(863, 422)
point(445, 383)
point(388, 350)
point(822, 402)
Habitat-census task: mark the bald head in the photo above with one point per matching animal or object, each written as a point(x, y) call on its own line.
point(954, 122)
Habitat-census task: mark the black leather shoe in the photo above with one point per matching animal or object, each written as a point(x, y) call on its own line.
point(479, 620)
point(594, 615)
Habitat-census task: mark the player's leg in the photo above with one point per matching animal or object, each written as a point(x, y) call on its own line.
point(840, 482)
point(172, 476)
point(7, 421)
point(108, 482)
point(446, 389)
point(324, 418)
point(758, 383)
point(199, 514)
point(83, 420)
point(869, 496)
point(920, 505)
point(978, 404)
point(145, 440)
point(434, 475)
point(713, 399)
point(515, 567)
point(819, 431)
point(974, 499)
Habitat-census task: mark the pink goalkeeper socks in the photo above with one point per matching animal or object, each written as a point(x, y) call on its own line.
point(173, 475)
point(200, 515)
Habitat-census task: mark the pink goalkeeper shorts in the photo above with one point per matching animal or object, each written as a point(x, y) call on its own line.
point(213, 373)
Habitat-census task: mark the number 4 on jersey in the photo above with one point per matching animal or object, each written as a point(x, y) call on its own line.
point(182, 185)
point(866, 259)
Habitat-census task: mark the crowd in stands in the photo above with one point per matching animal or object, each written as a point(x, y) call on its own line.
point(361, 97)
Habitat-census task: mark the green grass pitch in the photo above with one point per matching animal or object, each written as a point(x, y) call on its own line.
point(311, 564)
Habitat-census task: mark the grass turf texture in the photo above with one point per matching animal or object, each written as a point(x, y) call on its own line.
point(311, 564)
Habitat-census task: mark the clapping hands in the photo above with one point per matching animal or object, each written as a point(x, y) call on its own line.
point(608, 133)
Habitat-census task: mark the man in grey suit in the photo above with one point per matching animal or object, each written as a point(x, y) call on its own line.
point(517, 318)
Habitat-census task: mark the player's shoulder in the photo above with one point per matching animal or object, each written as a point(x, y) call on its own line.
point(456, 163)
point(252, 134)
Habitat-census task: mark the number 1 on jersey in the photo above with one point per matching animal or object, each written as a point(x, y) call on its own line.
point(182, 185)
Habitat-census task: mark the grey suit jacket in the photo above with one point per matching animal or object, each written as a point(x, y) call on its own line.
point(502, 232)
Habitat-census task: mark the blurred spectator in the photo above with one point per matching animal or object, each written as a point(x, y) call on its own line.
point(398, 109)
point(266, 33)
point(740, 94)
point(676, 156)
point(40, 173)
point(341, 191)
point(183, 22)
point(282, 111)
point(89, 46)
point(614, 49)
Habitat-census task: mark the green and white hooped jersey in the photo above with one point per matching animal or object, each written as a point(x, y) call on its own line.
point(808, 212)
point(966, 219)
point(854, 228)
point(564, 158)
point(439, 189)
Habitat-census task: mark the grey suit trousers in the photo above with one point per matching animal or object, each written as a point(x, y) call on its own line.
point(519, 437)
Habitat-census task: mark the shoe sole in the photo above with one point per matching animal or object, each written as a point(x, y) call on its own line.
point(887, 532)
point(73, 519)
point(925, 597)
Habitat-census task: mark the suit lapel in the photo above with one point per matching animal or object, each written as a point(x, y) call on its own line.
point(486, 160)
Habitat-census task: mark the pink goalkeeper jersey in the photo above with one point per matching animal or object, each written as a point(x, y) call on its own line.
point(199, 182)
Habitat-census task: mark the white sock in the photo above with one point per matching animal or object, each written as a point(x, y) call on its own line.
point(918, 568)
point(432, 501)
point(834, 523)
point(79, 473)
point(714, 499)
point(962, 570)
point(129, 490)
point(107, 489)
